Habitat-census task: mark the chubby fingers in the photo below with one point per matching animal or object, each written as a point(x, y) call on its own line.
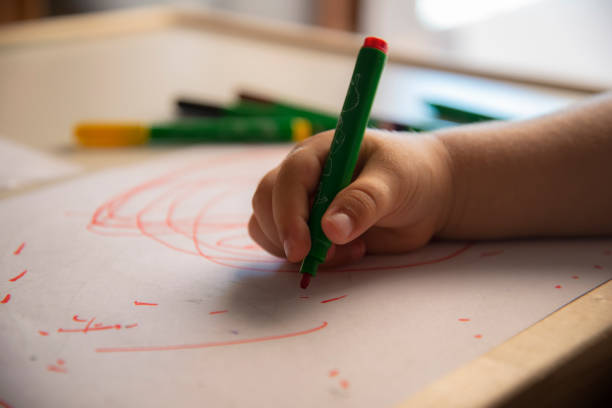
point(281, 201)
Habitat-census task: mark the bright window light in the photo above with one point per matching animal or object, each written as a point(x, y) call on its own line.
point(445, 14)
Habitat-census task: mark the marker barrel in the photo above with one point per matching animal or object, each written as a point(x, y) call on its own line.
point(344, 150)
point(231, 129)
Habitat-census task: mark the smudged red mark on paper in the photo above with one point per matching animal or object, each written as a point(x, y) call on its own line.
point(333, 299)
point(43, 333)
point(478, 336)
point(575, 277)
point(58, 367)
point(6, 298)
point(558, 286)
point(77, 319)
point(217, 312)
point(4, 404)
point(344, 384)
point(137, 303)
point(19, 249)
point(597, 266)
point(18, 276)
point(491, 253)
point(304, 297)
point(210, 344)
point(333, 373)
point(129, 326)
point(463, 319)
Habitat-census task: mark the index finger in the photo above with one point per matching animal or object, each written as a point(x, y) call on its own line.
point(297, 180)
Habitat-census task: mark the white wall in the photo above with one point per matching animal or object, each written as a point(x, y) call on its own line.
point(563, 39)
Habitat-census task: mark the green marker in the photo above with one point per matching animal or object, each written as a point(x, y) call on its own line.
point(216, 130)
point(344, 149)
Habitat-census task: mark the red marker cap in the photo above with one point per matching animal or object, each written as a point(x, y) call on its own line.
point(375, 42)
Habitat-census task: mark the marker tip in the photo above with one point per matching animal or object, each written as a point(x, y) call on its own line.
point(305, 281)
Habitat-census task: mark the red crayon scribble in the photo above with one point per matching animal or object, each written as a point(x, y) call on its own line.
point(18, 276)
point(344, 384)
point(18, 250)
point(217, 312)
point(90, 326)
point(43, 333)
point(186, 211)
point(60, 361)
point(463, 319)
point(597, 266)
point(6, 298)
point(575, 277)
point(333, 373)
point(137, 303)
point(558, 286)
point(129, 326)
point(478, 336)
point(333, 299)
point(210, 344)
point(304, 297)
point(4, 404)
point(491, 253)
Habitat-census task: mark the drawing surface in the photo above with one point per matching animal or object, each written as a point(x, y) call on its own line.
point(140, 286)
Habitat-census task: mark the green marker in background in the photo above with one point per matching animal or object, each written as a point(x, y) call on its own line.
point(344, 149)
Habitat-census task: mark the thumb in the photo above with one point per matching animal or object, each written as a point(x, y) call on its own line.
point(360, 205)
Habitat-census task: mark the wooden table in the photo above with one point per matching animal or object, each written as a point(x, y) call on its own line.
point(132, 64)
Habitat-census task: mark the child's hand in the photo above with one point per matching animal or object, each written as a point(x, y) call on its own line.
point(400, 198)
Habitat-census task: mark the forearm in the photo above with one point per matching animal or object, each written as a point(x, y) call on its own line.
point(550, 176)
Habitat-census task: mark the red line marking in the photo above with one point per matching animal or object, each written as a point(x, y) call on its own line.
point(597, 266)
point(129, 326)
point(60, 361)
point(6, 298)
point(333, 299)
point(137, 303)
point(43, 333)
point(463, 319)
point(217, 312)
point(575, 277)
point(56, 369)
point(18, 276)
point(76, 319)
point(210, 344)
point(333, 373)
point(344, 384)
point(18, 250)
point(478, 336)
point(558, 286)
point(491, 253)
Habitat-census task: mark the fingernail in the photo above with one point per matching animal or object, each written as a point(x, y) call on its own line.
point(287, 247)
point(342, 223)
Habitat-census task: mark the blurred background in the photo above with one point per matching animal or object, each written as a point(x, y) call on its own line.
point(565, 40)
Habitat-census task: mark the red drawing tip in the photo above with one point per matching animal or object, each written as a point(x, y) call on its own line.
point(6, 298)
point(305, 281)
